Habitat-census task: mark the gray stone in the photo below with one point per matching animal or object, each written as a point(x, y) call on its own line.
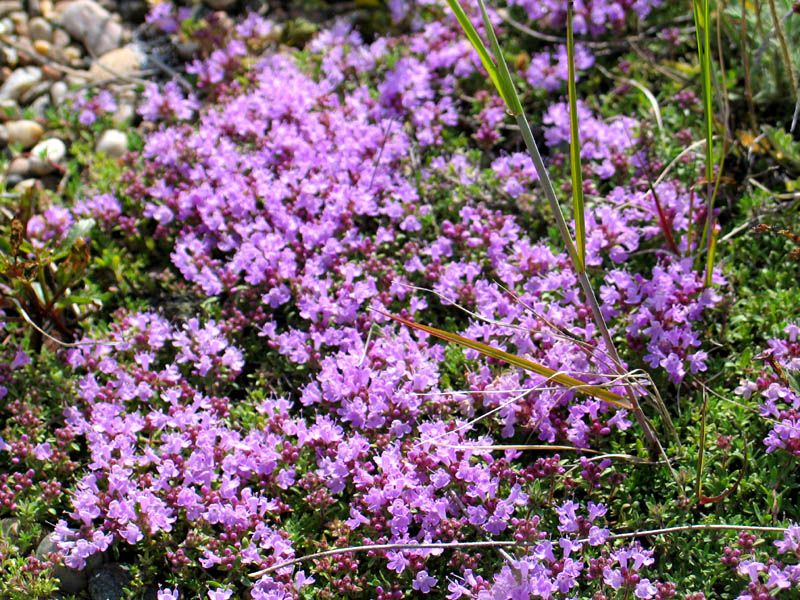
point(108, 582)
point(46, 154)
point(40, 29)
point(25, 133)
point(93, 25)
point(19, 82)
point(113, 142)
point(70, 580)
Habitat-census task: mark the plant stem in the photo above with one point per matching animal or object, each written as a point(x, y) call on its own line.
point(787, 58)
point(504, 543)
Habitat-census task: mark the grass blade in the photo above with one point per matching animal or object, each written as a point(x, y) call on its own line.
point(477, 43)
point(507, 88)
point(575, 147)
point(517, 361)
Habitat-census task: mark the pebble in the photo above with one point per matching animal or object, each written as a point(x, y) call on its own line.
point(108, 583)
point(113, 142)
point(40, 105)
point(25, 133)
point(42, 47)
point(19, 166)
point(9, 110)
point(9, 56)
point(20, 20)
point(46, 154)
point(40, 30)
point(33, 92)
point(93, 25)
point(19, 82)
point(126, 61)
point(58, 93)
point(125, 113)
point(9, 6)
point(70, 580)
point(9, 529)
point(61, 38)
point(6, 26)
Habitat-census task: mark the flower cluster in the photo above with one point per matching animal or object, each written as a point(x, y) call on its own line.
point(767, 576)
point(591, 17)
point(779, 395)
point(305, 195)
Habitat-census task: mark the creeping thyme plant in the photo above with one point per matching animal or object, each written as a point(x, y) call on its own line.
point(227, 401)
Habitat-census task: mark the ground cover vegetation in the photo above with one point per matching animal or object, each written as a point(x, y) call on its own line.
point(323, 333)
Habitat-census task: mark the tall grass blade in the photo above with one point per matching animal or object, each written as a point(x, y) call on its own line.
point(477, 43)
point(512, 359)
point(508, 91)
point(507, 88)
point(702, 25)
point(575, 147)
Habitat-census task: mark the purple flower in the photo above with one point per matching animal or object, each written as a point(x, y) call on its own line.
point(423, 582)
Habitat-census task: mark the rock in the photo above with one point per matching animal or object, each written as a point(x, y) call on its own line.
point(9, 529)
point(220, 4)
point(34, 92)
point(25, 133)
point(61, 38)
point(58, 93)
point(9, 6)
point(9, 56)
point(3, 136)
point(124, 114)
point(6, 26)
point(73, 55)
point(40, 105)
point(9, 110)
point(20, 20)
point(19, 82)
point(19, 166)
point(113, 142)
point(93, 25)
point(40, 29)
point(108, 583)
point(70, 580)
point(125, 62)
point(41, 7)
point(46, 154)
point(42, 47)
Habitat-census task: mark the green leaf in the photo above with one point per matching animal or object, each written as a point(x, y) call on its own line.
point(517, 361)
point(80, 229)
